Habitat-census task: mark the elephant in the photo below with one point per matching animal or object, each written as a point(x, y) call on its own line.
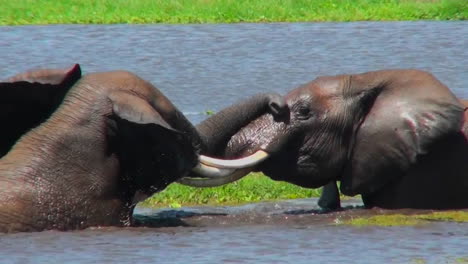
point(81, 151)
point(396, 137)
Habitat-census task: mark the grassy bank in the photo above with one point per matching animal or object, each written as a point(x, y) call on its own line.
point(253, 188)
point(224, 11)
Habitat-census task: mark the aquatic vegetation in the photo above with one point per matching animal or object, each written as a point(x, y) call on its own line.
point(254, 187)
point(452, 216)
point(21, 12)
point(448, 260)
point(418, 261)
point(409, 220)
point(461, 260)
point(384, 220)
point(209, 112)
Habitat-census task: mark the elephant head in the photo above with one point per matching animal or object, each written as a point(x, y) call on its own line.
point(365, 130)
point(88, 148)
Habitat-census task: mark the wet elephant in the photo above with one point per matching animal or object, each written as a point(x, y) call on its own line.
point(81, 151)
point(396, 137)
point(330, 198)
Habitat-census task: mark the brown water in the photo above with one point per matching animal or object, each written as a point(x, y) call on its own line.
point(207, 67)
point(283, 232)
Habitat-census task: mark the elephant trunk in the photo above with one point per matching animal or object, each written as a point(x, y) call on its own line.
point(255, 142)
point(264, 133)
point(217, 130)
point(226, 126)
point(175, 118)
point(214, 133)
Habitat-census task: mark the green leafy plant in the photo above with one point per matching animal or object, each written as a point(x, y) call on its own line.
point(20, 12)
point(254, 187)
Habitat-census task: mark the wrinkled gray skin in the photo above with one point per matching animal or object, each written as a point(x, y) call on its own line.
point(397, 137)
point(87, 149)
point(95, 156)
point(330, 198)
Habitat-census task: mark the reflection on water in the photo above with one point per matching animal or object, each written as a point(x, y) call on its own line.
point(207, 67)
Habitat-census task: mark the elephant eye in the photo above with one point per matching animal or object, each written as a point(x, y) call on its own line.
point(303, 113)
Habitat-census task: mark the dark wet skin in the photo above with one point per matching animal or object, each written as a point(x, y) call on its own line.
point(89, 152)
point(396, 137)
point(114, 139)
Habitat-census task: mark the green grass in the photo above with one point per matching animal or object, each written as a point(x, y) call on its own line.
point(253, 188)
point(19, 12)
point(447, 260)
point(409, 220)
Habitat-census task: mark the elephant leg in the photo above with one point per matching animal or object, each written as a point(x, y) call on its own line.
point(330, 198)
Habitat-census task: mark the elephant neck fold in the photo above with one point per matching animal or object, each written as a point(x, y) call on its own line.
point(465, 124)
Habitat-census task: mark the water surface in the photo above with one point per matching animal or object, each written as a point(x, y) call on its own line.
point(207, 67)
point(282, 232)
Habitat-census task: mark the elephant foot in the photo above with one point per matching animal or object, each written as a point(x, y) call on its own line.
point(330, 198)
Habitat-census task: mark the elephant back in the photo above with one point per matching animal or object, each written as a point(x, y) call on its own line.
point(29, 98)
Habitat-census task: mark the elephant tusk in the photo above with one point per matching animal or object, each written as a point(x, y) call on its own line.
point(221, 169)
point(211, 172)
point(197, 182)
point(241, 163)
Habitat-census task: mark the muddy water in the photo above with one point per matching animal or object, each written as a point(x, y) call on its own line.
point(283, 232)
point(207, 67)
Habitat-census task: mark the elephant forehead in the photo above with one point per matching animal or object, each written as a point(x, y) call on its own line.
point(120, 80)
point(329, 85)
point(322, 87)
point(318, 91)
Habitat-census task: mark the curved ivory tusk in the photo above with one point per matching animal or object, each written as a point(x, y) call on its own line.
point(211, 172)
point(249, 161)
point(194, 182)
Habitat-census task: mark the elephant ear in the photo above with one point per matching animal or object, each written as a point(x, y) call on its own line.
point(49, 76)
point(42, 88)
point(136, 110)
point(152, 153)
point(30, 98)
point(404, 113)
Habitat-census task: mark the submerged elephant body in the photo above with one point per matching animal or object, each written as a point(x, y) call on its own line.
point(78, 168)
point(397, 137)
point(86, 149)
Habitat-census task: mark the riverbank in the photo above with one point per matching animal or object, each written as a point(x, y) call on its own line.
point(27, 12)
